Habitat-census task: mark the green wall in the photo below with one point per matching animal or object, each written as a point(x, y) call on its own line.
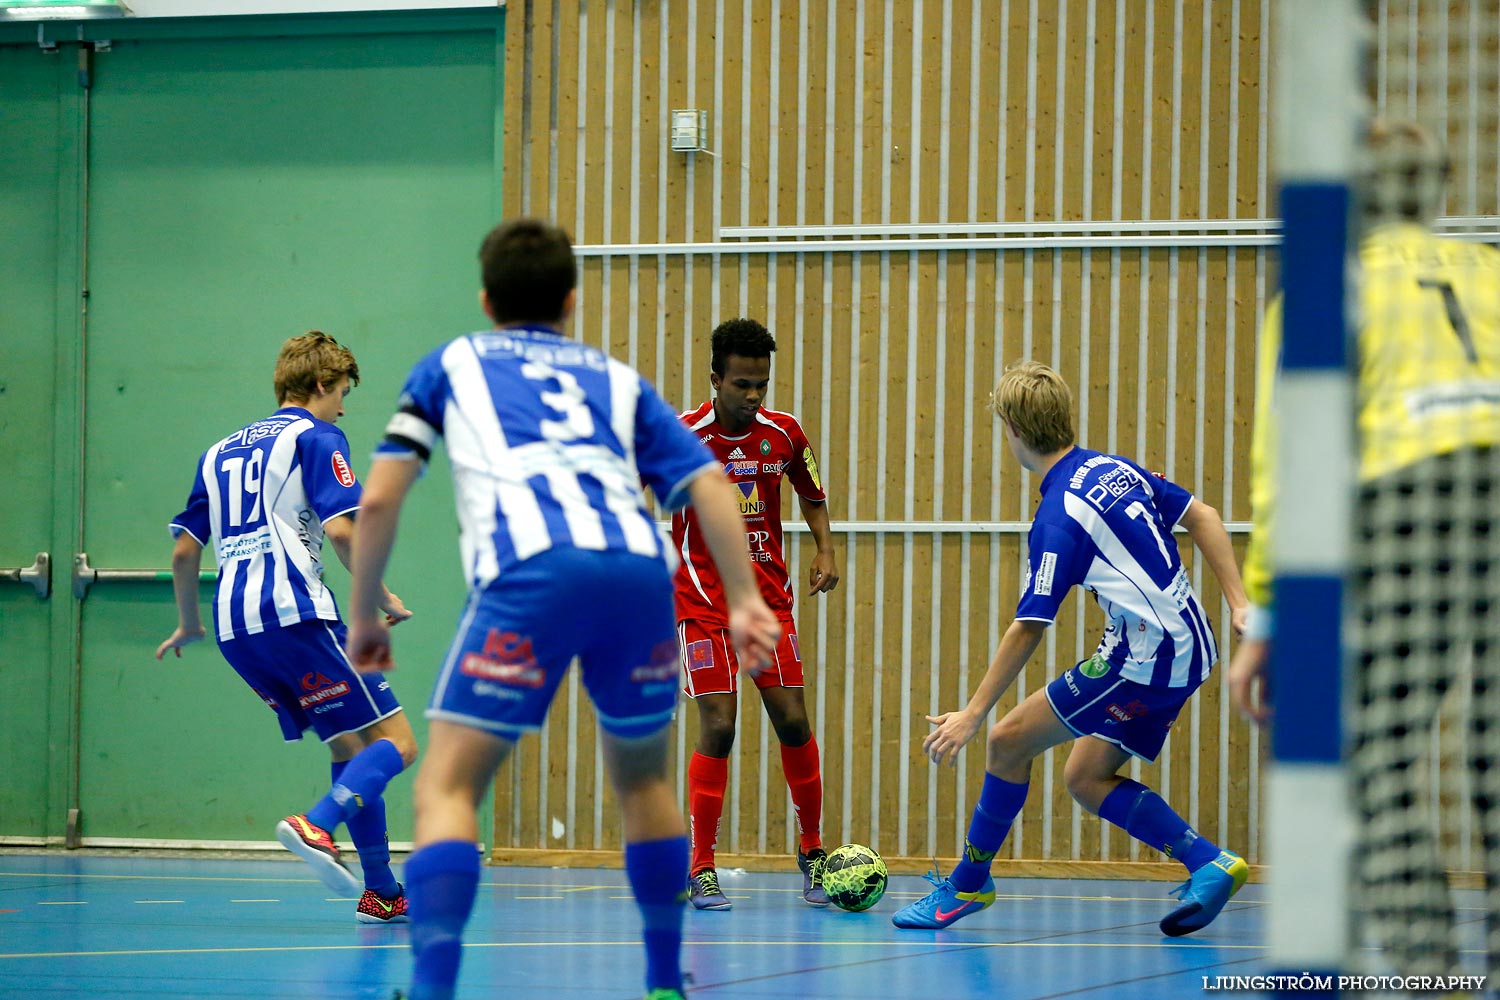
point(239, 181)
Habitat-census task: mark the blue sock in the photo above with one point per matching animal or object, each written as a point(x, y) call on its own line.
point(361, 781)
point(658, 873)
point(368, 831)
point(1144, 815)
point(441, 881)
point(999, 803)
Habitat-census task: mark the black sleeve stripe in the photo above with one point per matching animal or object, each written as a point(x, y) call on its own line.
point(402, 441)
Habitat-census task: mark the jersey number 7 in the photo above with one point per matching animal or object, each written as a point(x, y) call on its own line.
point(1456, 316)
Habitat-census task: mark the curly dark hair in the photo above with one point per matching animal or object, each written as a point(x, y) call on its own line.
point(744, 337)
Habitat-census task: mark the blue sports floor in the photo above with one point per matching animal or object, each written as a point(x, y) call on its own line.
point(76, 925)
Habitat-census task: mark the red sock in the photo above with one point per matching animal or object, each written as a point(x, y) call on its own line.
point(805, 780)
point(707, 779)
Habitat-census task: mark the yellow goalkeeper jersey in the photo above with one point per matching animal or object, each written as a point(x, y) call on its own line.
point(1429, 347)
point(1429, 379)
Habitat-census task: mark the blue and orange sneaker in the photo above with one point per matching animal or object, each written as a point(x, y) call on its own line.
point(944, 904)
point(1204, 894)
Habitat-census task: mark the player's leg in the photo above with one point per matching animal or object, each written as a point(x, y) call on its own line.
point(628, 669)
point(1406, 642)
point(443, 872)
point(1215, 875)
point(786, 706)
point(656, 851)
point(1484, 709)
point(342, 704)
point(1014, 742)
point(358, 775)
point(710, 671)
point(1484, 770)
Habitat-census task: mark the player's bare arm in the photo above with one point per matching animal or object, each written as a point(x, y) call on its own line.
point(390, 479)
point(340, 532)
point(1207, 530)
point(187, 557)
point(823, 574)
point(1247, 680)
point(752, 624)
point(955, 729)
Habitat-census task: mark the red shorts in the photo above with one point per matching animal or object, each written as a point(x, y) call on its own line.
point(709, 665)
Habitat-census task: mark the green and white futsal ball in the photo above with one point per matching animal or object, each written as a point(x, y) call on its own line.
point(854, 878)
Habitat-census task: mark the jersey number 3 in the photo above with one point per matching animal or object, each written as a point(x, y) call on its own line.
point(569, 401)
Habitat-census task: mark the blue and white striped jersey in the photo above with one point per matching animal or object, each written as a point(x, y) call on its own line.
point(1106, 523)
point(549, 441)
point(263, 494)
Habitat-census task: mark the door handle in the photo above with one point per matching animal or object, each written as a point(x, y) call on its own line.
point(37, 576)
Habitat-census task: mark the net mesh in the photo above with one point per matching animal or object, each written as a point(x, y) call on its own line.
point(1425, 617)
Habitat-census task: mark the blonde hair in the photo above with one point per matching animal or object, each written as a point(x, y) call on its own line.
point(1036, 401)
point(1405, 171)
point(309, 361)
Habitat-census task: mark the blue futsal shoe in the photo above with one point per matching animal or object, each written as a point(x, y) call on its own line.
point(1204, 894)
point(944, 904)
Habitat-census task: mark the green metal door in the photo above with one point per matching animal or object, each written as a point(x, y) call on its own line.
point(38, 436)
point(242, 190)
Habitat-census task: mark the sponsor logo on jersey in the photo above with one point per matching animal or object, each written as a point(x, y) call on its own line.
point(507, 658)
point(257, 431)
point(746, 467)
point(750, 501)
point(342, 471)
point(318, 697)
point(759, 544)
point(812, 467)
point(773, 468)
point(1045, 570)
point(1096, 666)
point(765, 447)
point(245, 546)
point(659, 672)
point(313, 681)
point(737, 453)
point(486, 689)
point(266, 698)
point(699, 655)
point(1119, 713)
point(328, 708)
point(514, 674)
point(1111, 487)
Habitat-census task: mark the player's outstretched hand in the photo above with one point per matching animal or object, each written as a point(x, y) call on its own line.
point(755, 631)
point(1248, 688)
point(177, 640)
point(823, 574)
point(369, 646)
point(954, 730)
point(394, 610)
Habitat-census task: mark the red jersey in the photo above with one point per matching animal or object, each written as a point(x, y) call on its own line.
point(754, 463)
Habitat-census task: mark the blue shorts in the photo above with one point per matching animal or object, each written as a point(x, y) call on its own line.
point(302, 673)
point(611, 610)
point(1135, 717)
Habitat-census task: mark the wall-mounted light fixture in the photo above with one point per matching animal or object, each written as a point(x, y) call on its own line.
point(689, 131)
point(60, 10)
